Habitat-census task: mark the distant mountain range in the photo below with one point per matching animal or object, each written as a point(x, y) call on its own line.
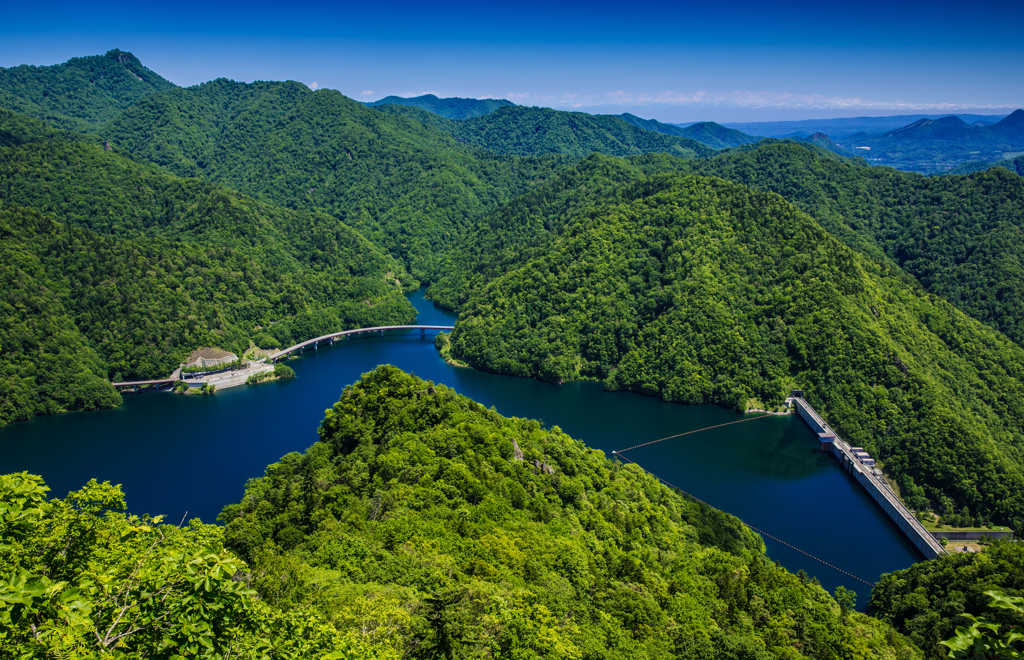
point(449, 108)
point(940, 145)
point(841, 127)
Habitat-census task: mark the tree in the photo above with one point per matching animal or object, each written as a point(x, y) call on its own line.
point(983, 639)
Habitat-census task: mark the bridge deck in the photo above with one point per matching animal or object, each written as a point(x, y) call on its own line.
point(316, 340)
point(141, 383)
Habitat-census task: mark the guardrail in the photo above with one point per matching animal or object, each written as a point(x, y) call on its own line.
point(879, 489)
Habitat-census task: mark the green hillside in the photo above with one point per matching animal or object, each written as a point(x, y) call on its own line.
point(442, 529)
point(79, 307)
point(82, 93)
point(959, 236)
point(525, 228)
point(129, 269)
point(926, 601)
point(698, 290)
point(408, 188)
point(449, 108)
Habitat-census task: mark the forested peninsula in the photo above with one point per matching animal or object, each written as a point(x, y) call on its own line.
point(420, 525)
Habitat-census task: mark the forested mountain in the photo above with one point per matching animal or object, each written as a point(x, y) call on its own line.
point(79, 306)
point(449, 108)
point(960, 236)
point(82, 93)
point(140, 268)
point(698, 290)
point(48, 365)
point(926, 600)
point(708, 133)
point(407, 187)
point(439, 528)
point(524, 228)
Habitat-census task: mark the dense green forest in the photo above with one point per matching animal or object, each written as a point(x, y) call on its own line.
point(125, 270)
point(449, 108)
point(698, 290)
point(524, 228)
point(408, 188)
point(442, 529)
point(79, 307)
point(83, 579)
point(82, 93)
point(926, 600)
point(48, 364)
point(958, 235)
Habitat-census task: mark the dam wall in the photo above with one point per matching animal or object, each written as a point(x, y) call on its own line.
point(862, 470)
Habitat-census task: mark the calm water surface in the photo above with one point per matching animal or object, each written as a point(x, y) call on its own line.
point(190, 456)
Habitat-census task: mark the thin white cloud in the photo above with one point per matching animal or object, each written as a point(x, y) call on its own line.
point(765, 99)
point(368, 92)
point(313, 85)
point(516, 97)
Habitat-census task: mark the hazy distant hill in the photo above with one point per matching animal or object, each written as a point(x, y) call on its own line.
point(826, 142)
point(937, 145)
point(709, 133)
point(449, 108)
point(81, 93)
point(844, 126)
point(1012, 164)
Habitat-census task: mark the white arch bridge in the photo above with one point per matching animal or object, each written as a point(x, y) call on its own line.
point(348, 334)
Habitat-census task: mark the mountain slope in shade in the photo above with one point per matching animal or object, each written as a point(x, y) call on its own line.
point(449, 108)
point(81, 93)
point(825, 142)
point(523, 131)
point(1013, 120)
point(709, 133)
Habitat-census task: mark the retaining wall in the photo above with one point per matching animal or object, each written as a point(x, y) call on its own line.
point(875, 486)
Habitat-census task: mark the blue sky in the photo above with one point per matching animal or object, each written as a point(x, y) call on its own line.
point(675, 62)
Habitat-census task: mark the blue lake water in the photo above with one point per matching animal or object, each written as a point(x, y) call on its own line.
point(190, 456)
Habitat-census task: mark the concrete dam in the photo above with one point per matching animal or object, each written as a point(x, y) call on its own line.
point(860, 466)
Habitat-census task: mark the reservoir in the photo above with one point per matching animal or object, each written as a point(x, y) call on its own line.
point(189, 456)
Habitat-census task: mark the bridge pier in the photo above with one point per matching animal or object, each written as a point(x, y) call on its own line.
point(423, 332)
point(381, 333)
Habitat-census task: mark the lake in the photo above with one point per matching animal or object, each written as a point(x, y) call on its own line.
point(189, 456)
